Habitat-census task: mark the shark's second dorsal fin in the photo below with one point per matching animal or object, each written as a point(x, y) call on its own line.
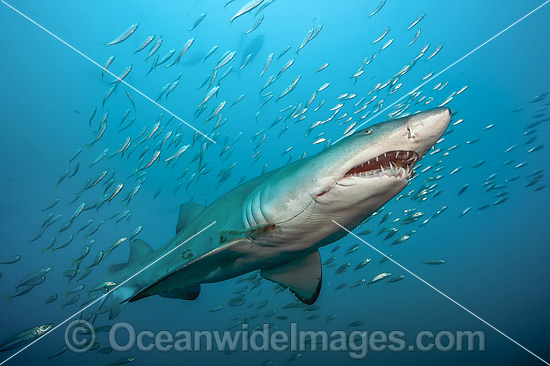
point(138, 249)
point(303, 276)
point(188, 211)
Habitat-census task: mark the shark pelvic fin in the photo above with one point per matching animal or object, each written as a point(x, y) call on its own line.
point(139, 249)
point(120, 300)
point(188, 211)
point(302, 275)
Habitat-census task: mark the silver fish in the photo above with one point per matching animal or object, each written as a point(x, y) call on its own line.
point(124, 36)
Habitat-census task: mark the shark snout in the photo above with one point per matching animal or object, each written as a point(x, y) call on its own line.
point(427, 127)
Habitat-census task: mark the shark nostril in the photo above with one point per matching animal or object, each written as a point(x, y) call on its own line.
point(410, 132)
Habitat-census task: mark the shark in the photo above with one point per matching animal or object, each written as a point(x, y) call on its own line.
point(276, 222)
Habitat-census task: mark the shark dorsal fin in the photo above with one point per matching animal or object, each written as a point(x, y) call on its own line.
point(138, 250)
point(302, 275)
point(188, 211)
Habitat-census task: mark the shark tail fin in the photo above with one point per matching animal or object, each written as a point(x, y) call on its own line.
point(123, 271)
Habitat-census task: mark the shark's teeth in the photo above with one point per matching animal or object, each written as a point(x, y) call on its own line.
point(396, 164)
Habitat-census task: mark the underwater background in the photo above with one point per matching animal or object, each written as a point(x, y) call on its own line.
point(496, 257)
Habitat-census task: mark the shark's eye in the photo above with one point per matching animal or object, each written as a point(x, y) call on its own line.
point(367, 131)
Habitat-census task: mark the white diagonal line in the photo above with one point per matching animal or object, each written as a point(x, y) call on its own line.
point(447, 68)
point(106, 294)
point(443, 294)
point(101, 67)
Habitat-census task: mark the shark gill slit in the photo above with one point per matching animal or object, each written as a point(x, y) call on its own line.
point(298, 214)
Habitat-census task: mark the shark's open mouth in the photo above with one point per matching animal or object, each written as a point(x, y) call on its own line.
point(392, 163)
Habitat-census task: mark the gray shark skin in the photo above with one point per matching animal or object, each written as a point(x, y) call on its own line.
point(276, 222)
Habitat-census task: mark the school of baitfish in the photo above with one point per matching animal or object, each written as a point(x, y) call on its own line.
point(105, 195)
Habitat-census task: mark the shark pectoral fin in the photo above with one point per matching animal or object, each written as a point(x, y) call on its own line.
point(184, 293)
point(303, 276)
point(188, 211)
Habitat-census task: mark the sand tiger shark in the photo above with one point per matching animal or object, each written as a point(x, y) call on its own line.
point(277, 222)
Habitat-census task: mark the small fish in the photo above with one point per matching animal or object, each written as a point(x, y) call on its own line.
point(362, 264)
point(216, 308)
point(396, 279)
point(71, 301)
point(78, 151)
point(323, 66)
point(388, 43)
point(285, 67)
point(356, 323)
point(131, 101)
point(267, 63)
point(63, 176)
point(186, 46)
point(154, 158)
point(97, 259)
point(478, 164)
point(11, 260)
point(358, 283)
point(378, 8)
point(225, 60)
point(435, 52)
point(416, 21)
point(245, 9)
point(24, 337)
point(237, 301)
point(283, 52)
point(135, 233)
point(385, 259)
point(379, 278)
point(197, 22)
point(166, 57)
point(59, 352)
point(122, 361)
point(400, 240)
point(51, 299)
point(435, 262)
point(308, 37)
point(155, 48)
point(51, 205)
point(145, 43)
point(463, 189)
point(415, 38)
point(210, 52)
point(260, 20)
point(124, 36)
point(381, 36)
point(295, 356)
point(33, 276)
point(78, 211)
point(105, 350)
point(107, 64)
point(343, 268)
point(352, 249)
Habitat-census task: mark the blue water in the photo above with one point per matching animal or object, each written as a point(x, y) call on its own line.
point(496, 260)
